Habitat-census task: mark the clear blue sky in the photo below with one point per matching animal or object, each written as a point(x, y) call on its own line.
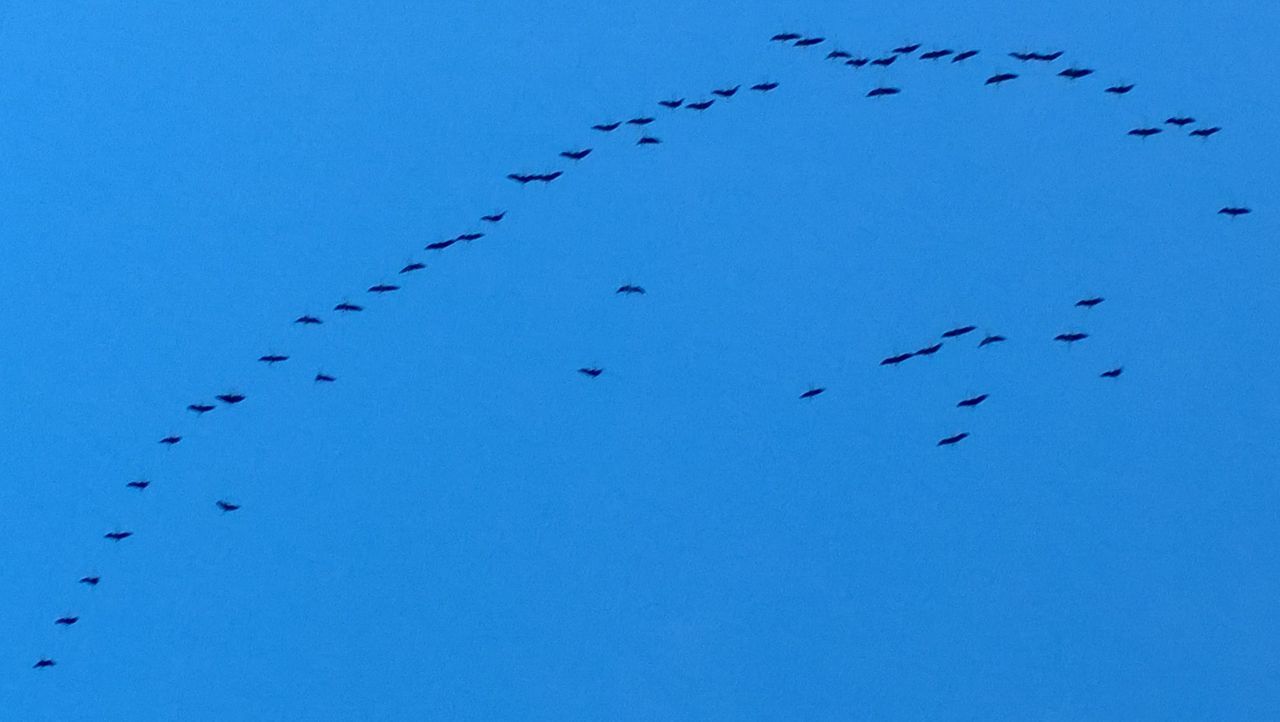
point(464, 528)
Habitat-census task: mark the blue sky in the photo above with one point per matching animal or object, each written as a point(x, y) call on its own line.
point(464, 528)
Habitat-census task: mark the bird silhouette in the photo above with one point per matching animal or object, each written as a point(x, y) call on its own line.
point(117, 535)
point(961, 57)
point(348, 307)
point(170, 440)
point(325, 378)
point(786, 37)
point(494, 217)
point(308, 320)
point(1024, 57)
point(1145, 132)
point(441, 245)
point(139, 484)
point(907, 49)
point(605, 127)
point(701, 105)
point(808, 42)
point(726, 92)
point(764, 87)
point(1234, 211)
point(383, 288)
point(878, 92)
point(672, 104)
point(1205, 132)
point(885, 62)
point(66, 621)
point(1112, 373)
point(200, 409)
point(812, 392)
point(413, 266)
point(929, 350)
point(936, 54)
point(988, 340)
point(838, 54)
point(642, 121)
point(1070, 338)
point(43, 662)
point(1120, 89)
point(973, 401)
point(648, 140)
point(522, 178)
point(1047, 57)
point(1076, 73)
point(999, 78)
point(1089, 302)
point(857, 62)
point(231, 397)
point(548, 177)
point(469, 237)
point(91, 581)
point(590, 371)
point(948, 441)
point(896, 359)
point(1180, 120)
point(955, 332)
point(226, 506)
point(629, 289)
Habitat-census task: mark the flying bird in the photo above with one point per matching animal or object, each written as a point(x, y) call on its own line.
point(786, 37)
point(648, 140)
point(66, 621)
point(469, 237)
point(522, 178)
point(630, 289)
point(140, 484)
point(884, 62)
point(1205, 132)
point(494, 217)
point(999, 78)
point(1234, 211)
point(441, 245)
point(1070, 338)
point(929, 350)
point(988, 340)
point(672, 104)
point(961, 57)
point(413, 266)
point(972, 401)
point(1180, 120)
point(907, 49)
point(1047, 57)
point(226, 506)
point(895, 360)
point(812, 392)
point(936, 54)
point(170, 440)
point(325, 377)
point(838, 54)
point(590, 371)
point(877, 92)
point(645, 120)
point(232, 398)
point(953, 333)
point(764, 87)
point(272, 359)
point(200, 409)
point(702, 105)
point(808, 42)
point(1024, 57)
point(91, 581)
point(857, 62)
point(548, 177)
point(1076, 73)
point(43, 662)
point(117, 535)
point(383, 288)
point(1113, 373)
point(348, 307)
point(606, 127)
point(308, 320)
point(726, 92)
point(948, 441)
point(1144, 132)
point(1089, 302)
point(1119, 89)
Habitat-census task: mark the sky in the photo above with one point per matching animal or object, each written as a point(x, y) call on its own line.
point(463, 527)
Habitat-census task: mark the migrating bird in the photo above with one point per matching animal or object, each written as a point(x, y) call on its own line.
point(961, 57)
point(140, 484)
point(812, 392)
point(91, 581)
point(200, 409)
point(895, 360)
point(170, 440)
point(325, 377)
point(999, 78)
point(1024, 57)
point(383, 288)
point(441, 245)
point(117, 535)
point(1113, 373)
point(308, 320)
point(43, 662)
point(948, 441)
point(1070, 338)
point(1144, 132)
point(785, 37)
point(764, 87)
point(469, 237)
point(1180, 120)
point(644, 120)
point(1046, 57)
point(1234, 211)
point(857, 62)
point(226, 506)
point(701, 105)
point(413, 266)
point(605, 127)
point(1075, 73)
point(494, 217)
point(672, 104)
point(953, 333)
point(929, 350)
point(972, 401)
point(936, 54)
point(838, 54)
point(1119, 89)
point(66, 621)
point(548, 177)
point(230, 397)
point(808, 42)
point(988, 340)
point(591, 371)
point(726, 92)
point(630, 289)
point(1205, 132)
point(1089, 302)
point(348, 307)
point(272, 359)
point(877, 92)
point(884, 62)
point(648, 140)
point(907, 49)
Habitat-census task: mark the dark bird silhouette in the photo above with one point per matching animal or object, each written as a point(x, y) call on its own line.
point(272, 359)
point(885, 62)
point(522, 178)
point(672, 104)
point(1205, 132)
point(200, 409)
point(469, 237)
point(1089, 302)
point(701, 105)
point(988, 340)
point(117, 535)
point(929, 350)
point(648, 140)
point(808, 42)
point(548, 177)
point(812, 392)
point(1234, 211)
point(838, 54)
point(606, 127)
point(644, 120)
point(1024, 57)
point(413, 266)
point(877, 92)
point(764, 87)
point(857, 62)
point(91, 581)
point(726, 92)
point(1076, 73)
point(590, 371)
point(1180, 120)
point(948, 441)
point(786, 37)
point(1144, 132)
point(936, 54)
point(494, 217)
point(1113, 373)
point(1070, 338)
point(170, 440)
point(230, 398)
point(140, 484)
point(325, 378)
point(907, 49)
point(962, 330)
point(383, 288)
point(43, 662)
point(895, 360)
point(999, 78)
point(308, 320)
point(630, 289)
point(226, 506)
point(961, 57)
point(66, 621)
point(973, 401)
point(348, 307)
point(1119, 89)
point(1047, 57)
point(441, 245)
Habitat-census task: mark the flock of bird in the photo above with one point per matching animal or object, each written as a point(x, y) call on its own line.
point(903, 53)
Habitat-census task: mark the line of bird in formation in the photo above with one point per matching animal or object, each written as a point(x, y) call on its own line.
point(233, 398)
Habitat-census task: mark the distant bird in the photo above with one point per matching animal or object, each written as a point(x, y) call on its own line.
point(494, 217)
point(812, 392)
point(701, 105)
point(1234, 211)
point(961, 57)
point(66, 621)
point(441, 245)
point(672, 104)
point(896, 359)
point(1144, 132)
point(929, 350)
point(808, 42)
point(308, 320)
point(469, 237)
point(383, 288)
point(1047, 57)
point(936, 54)
point(1180, 120)
point(91, 581)
point(1120, 89)
point(786, 37)
point(522, 178)
point(413, 266)
point(200, 409)
point(644, 120)
point(575, 154)
point(884, 62)
point(999, 78)
point(1113, 373)
point(1205, 132)
point(548, 177)
point(226, 506)
point(170, 440)
point(590, 371)
point(1024, 57)
point(1076, 73)
point(117, 535)
point(630, 289)
point(232, 398)
point(907, 49)
point(877, 92)
point(839, 55)
point(606, 127)
point(272, 359)
point(764, 87)
point(348, 307)
point(325, 378)
point(648, 140)
point(43, 662)
point(973, 401)
point(726, 92)
point(948, 441)
point(988, 340)
point(140, 484)
point(1070, 338)
point(955, 332)
point(1089, 302)
point(857, 62)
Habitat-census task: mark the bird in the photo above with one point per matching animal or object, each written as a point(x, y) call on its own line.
point(383, 288)
point(726, 92)
point(701, 105)
point(606, 127)
point(575, 154)
point(170, 440)
point(590, 371)
point(948, 441)
point(66, 621)
point(857, 62)
point(785, 37)
point(494, 217)
point(1234, 211)
point(43, 662)
point(643, 120)
point(413, 266)
point(272, 359)
point(1180, 120)
point(1047, 57)
point(999, 78)
point(308, 320)
point(346, 307)
point(808, 42)
point(200, 409)
point(896, 359)
point(961, 57)
point(764, 87)
point(877, 92)
point(91, 581)
point(230, 397)
point(988, 340)
point(884, 62)
point(469, 237)
point(936, 54)
point(325, 377)
point(962, 330)
point(1205, 132)
point(1024, 57)
point(929, 350)
point(648, 140)
point(907, 49)
point(441, 245)
point(1144, 132)
point(1089, 302)
point(548, 177)
point(1075, 73)
point(629, 289)
point(812, 392)
point(117, 535)
point(1119, 89)
point(839, 54)
point(1070, 338)
point(672, 104)
point(1112, 373)
point(226, 506)
point(139, 484)
point(522, 178)
point(972, 401)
